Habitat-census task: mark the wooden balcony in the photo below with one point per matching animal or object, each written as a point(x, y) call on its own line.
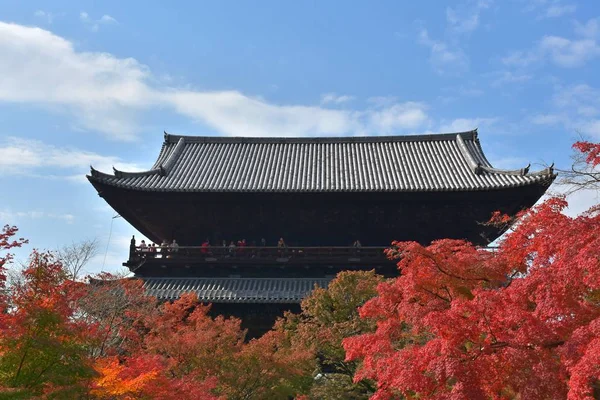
point(258, 255)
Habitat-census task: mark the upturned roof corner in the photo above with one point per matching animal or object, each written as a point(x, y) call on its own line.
point(408, 163)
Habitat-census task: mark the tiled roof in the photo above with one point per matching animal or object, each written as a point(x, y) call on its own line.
point(235, 290)
point(441, 162)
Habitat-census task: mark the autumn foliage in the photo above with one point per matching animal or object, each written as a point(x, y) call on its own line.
point(107, 339)
point(590, 150)
point(521, 321)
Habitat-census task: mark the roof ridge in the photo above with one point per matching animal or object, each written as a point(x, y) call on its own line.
point(466, 135)
point(167, 165)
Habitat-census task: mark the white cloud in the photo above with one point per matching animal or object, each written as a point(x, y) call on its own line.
point(550, 8)
point(12, 217)
point(453, 93)
point(563, 52)
point(521, 58)
point(465, 17)
point(507, 162)
point(45, 15)
point(590, 29)
point(233, 113)
point(582, 99)
point(444, 58)
point(569, 53)
point(577, 109)
point(447, 56)
point(102, 91)
point(590, 128)
point(94, 25)
point(466, 124)
point(22, 156)
point(469, 91)
point(382, 101)
point(398, 116)
point(500, 78)
point(107, 19)
point(558, 10)
point(106, 94)
point(548, 119)
point(332, 98)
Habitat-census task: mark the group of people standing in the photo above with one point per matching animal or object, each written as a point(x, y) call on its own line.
point(165, 247)
point(237, 247)
point(234, 248)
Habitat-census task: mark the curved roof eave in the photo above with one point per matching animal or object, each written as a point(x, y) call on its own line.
point(467, 143)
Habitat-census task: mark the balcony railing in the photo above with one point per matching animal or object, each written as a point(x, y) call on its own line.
point(250, 254)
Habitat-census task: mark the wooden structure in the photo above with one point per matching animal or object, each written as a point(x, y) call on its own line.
point(319, 194)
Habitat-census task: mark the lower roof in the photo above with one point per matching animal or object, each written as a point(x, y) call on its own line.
point(235, 290)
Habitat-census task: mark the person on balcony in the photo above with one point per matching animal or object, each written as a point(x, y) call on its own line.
point(241, 244)
point(174, 247)
point(357, 245)
point(164, 248)
point(143, 248)
point(205, 247)
point(152, 250)
point(282, 247)
point(222, 251)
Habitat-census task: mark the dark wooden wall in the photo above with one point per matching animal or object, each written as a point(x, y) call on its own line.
point(332, 219)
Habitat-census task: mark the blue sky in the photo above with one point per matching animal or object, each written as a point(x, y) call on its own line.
point(98, 82)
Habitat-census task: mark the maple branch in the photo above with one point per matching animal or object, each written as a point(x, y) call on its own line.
point(21, 362)
point(511, 278)
point(436, 295)
point(487, 321)
point(447, 291)
point(553, 345)
point(108, 330)
point(43, 372)
point(437, 265)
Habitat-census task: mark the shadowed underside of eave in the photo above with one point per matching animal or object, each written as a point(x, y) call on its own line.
point(318, 219)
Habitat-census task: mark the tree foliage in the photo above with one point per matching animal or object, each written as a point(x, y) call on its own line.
point(75, 256)
point(584, 172)
point(466, 323)
point(327, 317)
point(7, 242)
point(61, 338)
point(42, 348)
point(460, 322)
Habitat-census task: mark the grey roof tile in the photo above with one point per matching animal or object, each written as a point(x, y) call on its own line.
point(235, 290)
point(442, 162)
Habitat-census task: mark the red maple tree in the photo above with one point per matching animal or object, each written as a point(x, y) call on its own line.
point(520, 322)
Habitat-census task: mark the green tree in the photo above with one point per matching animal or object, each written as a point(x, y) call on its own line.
point(328, 317)
point(42, 348)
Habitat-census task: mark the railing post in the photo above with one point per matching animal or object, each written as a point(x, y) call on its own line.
point(132, 249)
